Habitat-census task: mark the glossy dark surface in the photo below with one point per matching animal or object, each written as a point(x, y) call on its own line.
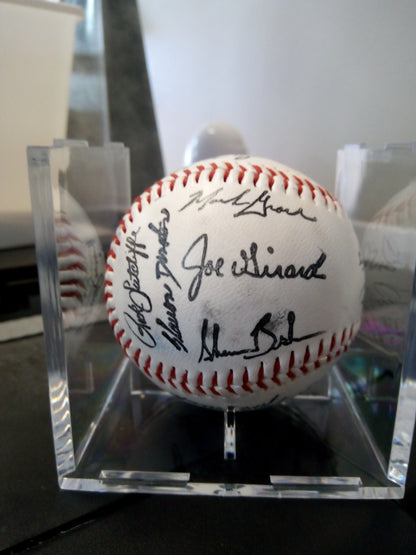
point(34, 513)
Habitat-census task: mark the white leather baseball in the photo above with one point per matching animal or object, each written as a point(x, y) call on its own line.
point(234, 282)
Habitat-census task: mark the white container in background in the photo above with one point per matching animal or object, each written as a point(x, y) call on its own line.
point(36, 53)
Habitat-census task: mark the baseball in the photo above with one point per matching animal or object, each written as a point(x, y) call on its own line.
point(235, 282)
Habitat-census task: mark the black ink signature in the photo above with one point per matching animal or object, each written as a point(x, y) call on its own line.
point(260, 206)
point(196, 260)
point(139, 301)
point(198, 252)
point(252, 268)
point(171, 330)
point(135, 249)
point(260, 333)
point(162, 268)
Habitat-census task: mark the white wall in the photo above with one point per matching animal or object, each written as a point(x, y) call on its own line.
point(298, 78)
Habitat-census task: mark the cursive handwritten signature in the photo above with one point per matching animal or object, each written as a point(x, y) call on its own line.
point(261, 334)
point(139, 303)
point(196, 260)
point(261, 205)
point(171, 330)
point(162, 267)
point(170, 324)
point(252, 268)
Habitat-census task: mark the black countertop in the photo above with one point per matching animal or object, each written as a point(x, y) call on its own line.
point(36, 515)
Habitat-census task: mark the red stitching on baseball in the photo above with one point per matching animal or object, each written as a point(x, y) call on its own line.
point(258, 171)
point(200, 383)
point(184, 383)
point(172, 376)
point(230, 380)
point(246, 382)
point(139, 204)
point(311, 187)
point(185, 179)
point(271, 178)
point(276, 371)
point(120, 335)
point(198, 174)
point(126, 346)
point(285, 180)
point(299, 184)
point(290, 374)
point(172, 181)
point(241, 174)
point(328, 193)
point(213, 167)
point(228, 168)
point(159, 372)
point(323, 193)
point(212, 172)
point(260, 378)
point(214, 384)
point(146, 366)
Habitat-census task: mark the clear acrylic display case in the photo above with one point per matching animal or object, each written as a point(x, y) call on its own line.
point(348, 437)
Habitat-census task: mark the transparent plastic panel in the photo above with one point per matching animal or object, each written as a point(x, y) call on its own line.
point(78, 196)
point(347, 437)
point(378, 189)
